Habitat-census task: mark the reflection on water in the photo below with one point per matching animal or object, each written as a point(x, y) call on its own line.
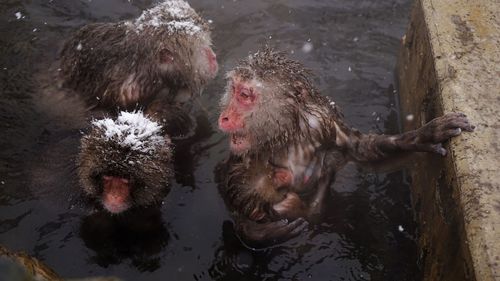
point(138, 235)
point(368, 233)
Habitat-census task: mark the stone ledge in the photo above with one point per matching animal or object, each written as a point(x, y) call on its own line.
point(450, 62)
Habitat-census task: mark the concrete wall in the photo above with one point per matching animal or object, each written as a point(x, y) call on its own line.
point(450, 62)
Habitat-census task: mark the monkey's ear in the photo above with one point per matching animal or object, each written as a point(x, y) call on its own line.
point(300, 90)
point(166, 56)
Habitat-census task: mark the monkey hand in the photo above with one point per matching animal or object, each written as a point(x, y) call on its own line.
point(269, 233)
point(292, 207)
point(431, 136)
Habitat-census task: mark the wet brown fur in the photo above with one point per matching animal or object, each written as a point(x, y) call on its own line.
point(248, 188)
point(296, 128)
point(149, 173)
point(110, 52)
point(290, 99)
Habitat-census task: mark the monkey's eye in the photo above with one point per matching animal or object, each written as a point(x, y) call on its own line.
point(246, 96)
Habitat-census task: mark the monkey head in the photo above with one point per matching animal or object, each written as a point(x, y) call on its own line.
point(181, 41)
point(125, 162)
point(270, 102)
point(129, 62)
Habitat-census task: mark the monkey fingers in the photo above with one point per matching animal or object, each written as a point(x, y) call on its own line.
point(265, 234)
point(443, 128)
point(257, 214)
point(431, 136)
point(428, 138)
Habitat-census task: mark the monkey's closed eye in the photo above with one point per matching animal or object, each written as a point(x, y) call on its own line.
point(246, 96)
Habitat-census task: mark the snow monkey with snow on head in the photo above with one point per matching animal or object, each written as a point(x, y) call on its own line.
point(125, 162)
point(164, 53)
point(287, 141)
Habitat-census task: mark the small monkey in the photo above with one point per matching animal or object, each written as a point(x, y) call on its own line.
point(125, 162)
point(256, 190)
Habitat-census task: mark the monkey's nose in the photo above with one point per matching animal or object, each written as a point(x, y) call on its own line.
point(224, 123)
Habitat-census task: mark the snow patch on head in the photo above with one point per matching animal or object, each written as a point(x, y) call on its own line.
point(132, 129)
point(174, 15)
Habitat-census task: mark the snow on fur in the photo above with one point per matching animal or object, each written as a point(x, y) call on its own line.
point(175, 15)
point(132, 129)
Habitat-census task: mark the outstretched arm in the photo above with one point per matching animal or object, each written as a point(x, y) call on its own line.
point(371, 148)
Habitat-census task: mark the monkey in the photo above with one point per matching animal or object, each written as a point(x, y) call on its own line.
point(263, 196)
point(125, 163)
point(276, 118)
point(261, 190)
point(166, 52)
point(155, 62)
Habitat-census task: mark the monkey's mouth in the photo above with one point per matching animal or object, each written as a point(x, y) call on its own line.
point(239, 143)
point(116, 194)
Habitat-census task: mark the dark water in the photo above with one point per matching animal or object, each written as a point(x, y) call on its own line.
point(368, 233)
